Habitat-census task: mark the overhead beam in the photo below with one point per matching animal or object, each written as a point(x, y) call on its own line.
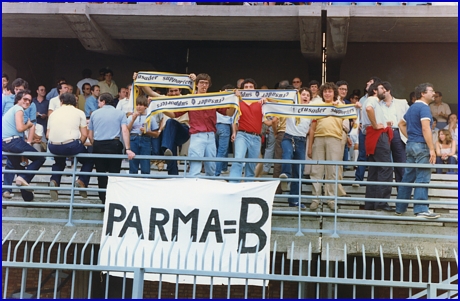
point(90, 34)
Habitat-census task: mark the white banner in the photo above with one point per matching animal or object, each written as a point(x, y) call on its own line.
point(284, 96)
point(164, 80)
point(190, 224)
point(194, 102)
point(309, 111)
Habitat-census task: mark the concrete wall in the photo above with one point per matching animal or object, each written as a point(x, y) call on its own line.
point(266, 62)
point(405, 66)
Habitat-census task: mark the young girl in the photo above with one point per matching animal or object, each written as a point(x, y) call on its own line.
point(141, 139)
point(445, 150)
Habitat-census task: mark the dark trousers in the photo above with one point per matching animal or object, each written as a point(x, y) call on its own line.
point(70, 149)
point(382, 153)
point(8, 178)
point(174, 134)
point(360, 170)
point(398, 152)
point(19, 145)
point(278, 155)
point(106, 165)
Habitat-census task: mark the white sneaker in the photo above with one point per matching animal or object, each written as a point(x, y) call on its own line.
point(284, 184)
point(427, 214)
point(7, 195)
point(168, 152)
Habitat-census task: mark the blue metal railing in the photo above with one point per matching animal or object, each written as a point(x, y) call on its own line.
point(336, 214)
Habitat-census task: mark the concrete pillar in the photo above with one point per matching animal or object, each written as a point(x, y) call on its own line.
point(311, 39)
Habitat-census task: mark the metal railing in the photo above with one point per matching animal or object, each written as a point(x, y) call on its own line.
point(48, 268)
point(315, 276)
point(337, 214)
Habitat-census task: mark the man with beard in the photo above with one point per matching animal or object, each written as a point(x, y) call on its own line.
point(360, 170)
point(394, 110)
point(378, 138)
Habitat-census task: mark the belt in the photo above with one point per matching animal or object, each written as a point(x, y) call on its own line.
point(250, 133)
point(289, 136)
point(63, 142)
point(135, 135)
point(8, 140)
point(116, 138)
point(394, 129)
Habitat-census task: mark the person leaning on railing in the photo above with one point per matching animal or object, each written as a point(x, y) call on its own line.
point(67, 133)
point(13, 128)
point(106, 126)
point(415, 125)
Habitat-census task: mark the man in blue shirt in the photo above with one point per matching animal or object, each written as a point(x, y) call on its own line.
point(416, 126)
point(42, 107)
point(54, 92)
point(106, 127)
point(91, 104)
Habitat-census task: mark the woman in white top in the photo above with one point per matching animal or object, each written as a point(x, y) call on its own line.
point(445, 150)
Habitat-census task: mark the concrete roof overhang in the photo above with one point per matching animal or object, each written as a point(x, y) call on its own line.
point(99, 26)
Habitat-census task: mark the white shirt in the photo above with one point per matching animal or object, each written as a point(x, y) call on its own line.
point(299, 130)
point(125, 105)
point(90, 81)
point(65, 124)
point(55, 103)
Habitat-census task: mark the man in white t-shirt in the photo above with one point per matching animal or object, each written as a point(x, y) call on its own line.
point(55, 102)
point(126, 104)
point(67, 132)
point(86, 79)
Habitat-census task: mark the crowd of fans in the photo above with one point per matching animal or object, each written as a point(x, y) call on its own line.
point(100, 118)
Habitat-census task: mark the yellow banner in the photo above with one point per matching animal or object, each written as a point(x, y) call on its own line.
point(282, 96)
point(161, 80)
point(309, 111)
point(193, 102)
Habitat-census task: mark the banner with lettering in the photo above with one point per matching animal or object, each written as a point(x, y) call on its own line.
point(164, 80)
point(283, 96)
point(188, 224)
point(193, 102)
point(315, 111)
point(160, 80)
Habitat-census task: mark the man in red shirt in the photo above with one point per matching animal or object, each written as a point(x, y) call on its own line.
point(247, 135)
point(202, 130)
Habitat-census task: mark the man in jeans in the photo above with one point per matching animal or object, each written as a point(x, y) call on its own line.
point(247, 134)
point(67, 132)
point(416, 126)
point(202, 130)
point(223, 134)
